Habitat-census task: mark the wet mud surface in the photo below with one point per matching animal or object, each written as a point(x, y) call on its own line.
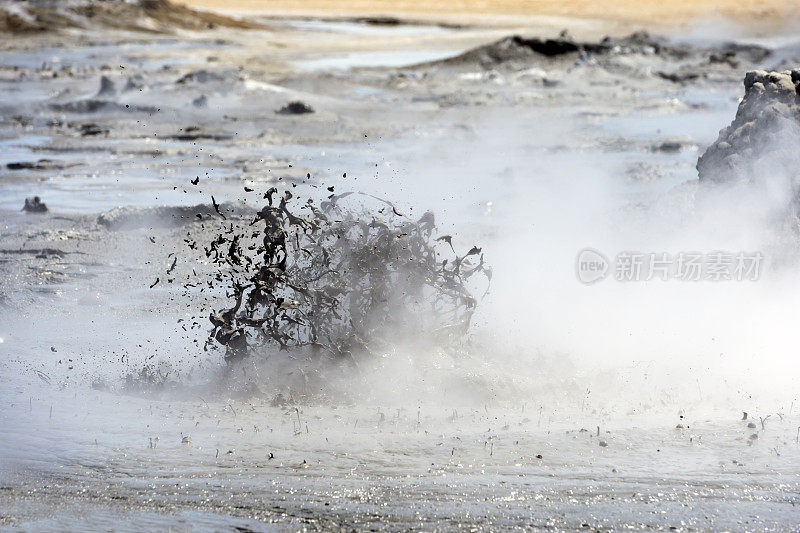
point(127, 136)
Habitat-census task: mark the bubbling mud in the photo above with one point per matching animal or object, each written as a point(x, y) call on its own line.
point(339, 280)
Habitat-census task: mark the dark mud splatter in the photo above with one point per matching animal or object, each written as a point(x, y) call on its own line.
point(34, 205)
point(295, 108)
point(337, 279)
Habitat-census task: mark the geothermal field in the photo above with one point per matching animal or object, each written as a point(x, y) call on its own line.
point(316, 269)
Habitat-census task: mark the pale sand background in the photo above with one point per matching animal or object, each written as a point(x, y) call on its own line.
point(762, 15)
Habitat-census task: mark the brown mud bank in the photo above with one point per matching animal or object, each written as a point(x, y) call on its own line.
point(158, 16)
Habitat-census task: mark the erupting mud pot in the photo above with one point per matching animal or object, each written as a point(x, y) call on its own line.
point(274, 266)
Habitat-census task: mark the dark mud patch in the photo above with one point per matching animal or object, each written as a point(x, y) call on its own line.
point(668, 147)
point(194, 133)
point(125, 218)
point(41, 164)
point(200, 76)
point(295, 108)
point(679, 77)
point(90, 129)
point(107, 87)
point(36, 252)
point(92, 105)
point(34, 205)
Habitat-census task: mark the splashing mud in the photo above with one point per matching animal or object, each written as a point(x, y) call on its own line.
point(339, 281)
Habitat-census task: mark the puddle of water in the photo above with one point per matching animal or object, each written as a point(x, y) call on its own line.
point(21, 92)
point(20, 149)
point(387, 58)
point(100, 181)
point(699, 124)
point(94, 194)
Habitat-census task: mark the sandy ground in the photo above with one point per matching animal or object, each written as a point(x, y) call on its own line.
point(574, 409)
point(621, 14)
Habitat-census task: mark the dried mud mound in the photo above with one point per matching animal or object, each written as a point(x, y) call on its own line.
point(159, 16)
point(761, 143)
point(521, 50)
point(518, 48)
point(639, 57)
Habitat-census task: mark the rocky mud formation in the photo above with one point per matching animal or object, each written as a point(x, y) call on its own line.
point(761, 143)
point(159, 16)
point(519, 51)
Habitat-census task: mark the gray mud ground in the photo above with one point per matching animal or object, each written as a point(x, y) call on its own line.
point(429, 442)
